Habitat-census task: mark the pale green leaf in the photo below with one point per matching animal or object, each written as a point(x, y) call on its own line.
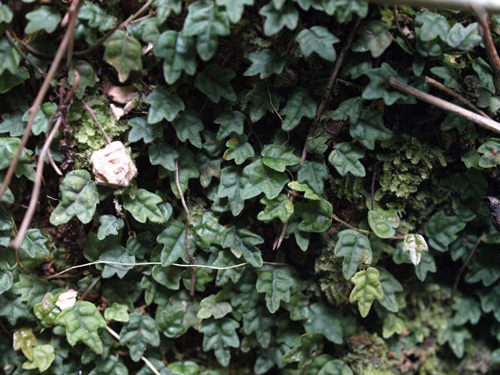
point(9, 57)
point(383, 222)
point(234, 8)
point(211, 306)
point(373, 37)
point(43, 356)
point(464, 38)
point(123, 52)
point(110, 225)
point(367, 288)
point(238, 149)
point(24, 339)
point(433, 25)
point(415, 244)
point(276, 19)
point(44, 18)
point(117, 312)
point(34, 243)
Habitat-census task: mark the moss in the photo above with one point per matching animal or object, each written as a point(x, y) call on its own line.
point(368, 352)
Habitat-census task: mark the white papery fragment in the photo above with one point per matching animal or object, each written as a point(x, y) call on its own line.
point(113, 166)
point(415, 244)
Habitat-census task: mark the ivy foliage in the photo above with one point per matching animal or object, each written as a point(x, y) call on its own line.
point(281, 221)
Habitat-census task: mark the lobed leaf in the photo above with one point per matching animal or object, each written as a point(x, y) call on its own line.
point(367, 288)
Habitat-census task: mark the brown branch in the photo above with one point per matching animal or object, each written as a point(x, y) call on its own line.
point(491, 51)
point(92, 113)
point(73, 11)
point(186, 241)
point(122, 25)
point(35, 51)
point(396, 21)
point(438, 85)
point(87, 291)
point(459, 275)
point(443, 104)
point(23, 55)
point(18, 240)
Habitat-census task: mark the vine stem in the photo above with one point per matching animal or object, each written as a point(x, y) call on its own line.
point(186, 240)
point(24, 56)
point(489, 5)
point(462, 269)
point(144, 359)
point(482, 121)
point(73, 12)
point(319, 112)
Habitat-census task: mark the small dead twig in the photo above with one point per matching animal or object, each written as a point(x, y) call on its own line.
point(438, 85)
point(396, 21)
point(18, 240)
point(186, 241)
point(92, 113)
point(73, 11)
point(122, 25)
point(319, 112)
point(491, 51)
point(485, 122)
point(462, 269)
point(23, 55)
point(91, 286)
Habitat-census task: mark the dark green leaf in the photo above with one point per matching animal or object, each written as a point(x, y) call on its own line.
point(345, 158)
point(116, 254)
point(317, 39)
point(95, 16)
point(13, 308)
point(230, 122)
point(276, 283)
point(298, 106)
point(426, 265)
point(188, 127)
point(44, 18)
point(144, 206)
point(355, 248)
point(280, 207)
point(123, 52)
point(34, 243)
point(325, 320)
point(265, 63)
point(9, 80)
point(178, 53)
point(220, 335)
point(278, 157)
point(260, 321)
point(467, 310)
point(447, 73)
point(164, 155)
point(9, 57)
point(464, 38)
point(313, 173)
point(377, 89)
point(164, 105)
point(276, 19)
point(231, 185)
point(370, 128)
point(441, 230)
point(172, 239)
point(234, 8)
point(373, 37)
point(214, 82)
point(238, 149)
point(110, 225)
point(315, 215)
point(262, 99)
point(243, 242)
point(389, 286)
point(141, 129)
point(139, 333)
point(207, 230)
point(263, 180)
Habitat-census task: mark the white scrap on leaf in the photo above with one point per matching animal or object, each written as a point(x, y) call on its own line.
point(67, 299)
point(415, 244)
point(113, 166)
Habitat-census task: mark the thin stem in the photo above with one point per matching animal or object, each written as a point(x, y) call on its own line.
point(336, 218)
point(24, 56)
point(186, 241)
point(462, 269)
point(396, 21)
point(73, 11)
point(87, 291)
point(18, 240)
point(92, 113)
point(432, 82)
point(443, 104)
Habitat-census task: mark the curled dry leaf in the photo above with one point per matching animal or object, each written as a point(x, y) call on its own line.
point(112, 166)
point(67, 299)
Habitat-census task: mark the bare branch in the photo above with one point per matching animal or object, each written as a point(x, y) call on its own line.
point(24, 56)
point(92, 113)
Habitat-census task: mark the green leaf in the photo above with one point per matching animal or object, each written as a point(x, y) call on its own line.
point(325, 320)
point(79, 198)
point(43, 356)
point(170, 322)
point(414, 244)
point(6, 14)
point(260, 321)
point(464, 38)
point(433, 25)
point(276, 283)
point(263, 180)
point(210, 306)
point(313, 173)
point(370, 128)
point(172, 239)
point(441, 230)
point(164, 155)
point(315, 215)
point(367, 288)
point(276, 19)
point(44, 18)
point(243, 242)
point(280, 207)
point(207, 21)
point(184, 368)
point(13, 308)
point(110, 366)
point(208, 168)
point(41, 121)
point(239, 149)
point(164, 7)
point(169, 277)
point(262, 99)
point(214, 82)
point(426, 265)
point(299, 105)
point(467, 310)
point(9, 80)
point(139, 333)
point(24, 339)
point(490, 300)
point(345, 158)
point(484, 73)
point(383, 222)
point(230, 122)
point(373, 37)
point(231, 185)
point(141, 129)
point(123, 52)
point(225, 258)
point(355, 248)
point(82, 322)
point(310, 345)
point(117, 312)
point(389, 286)
point(490, 153)
point(266, 63)
point(187, 171)
point(188, 127)
point(110, 225)
point(449, 75)
point(392, 324)
point(178, 53)
point(144, 206)
point(87, 77)
point(8, 148)
point(377, 89)
point(207, 230)
point(47, 311)
point(317, 39)
point(220, 335)
point(9, 57)
point(117, 254)
point(96, 17)
point(234, 8)
point(34, 243)
point(455, 337)
point(350, 108)
point(308, 192)
point(278, 157)
point(6, 278)
point(164, 105)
